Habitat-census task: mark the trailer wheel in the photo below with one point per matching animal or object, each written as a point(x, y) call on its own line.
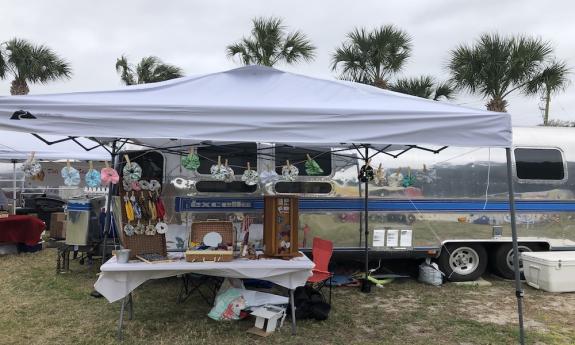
point(502, 258)
point(463, 261)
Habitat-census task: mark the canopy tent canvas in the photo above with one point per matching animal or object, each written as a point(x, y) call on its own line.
point(261, 104)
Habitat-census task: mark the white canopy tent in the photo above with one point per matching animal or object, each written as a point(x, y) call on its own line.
point(261, 104)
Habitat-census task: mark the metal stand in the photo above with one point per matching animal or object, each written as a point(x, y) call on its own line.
point(366, 285)
point(518, 290)
point(108, 221)
point(126, 302)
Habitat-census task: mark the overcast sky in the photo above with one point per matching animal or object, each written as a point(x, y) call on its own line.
point(194, 34)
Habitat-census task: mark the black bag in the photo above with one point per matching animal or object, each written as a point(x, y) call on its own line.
point(310, 304)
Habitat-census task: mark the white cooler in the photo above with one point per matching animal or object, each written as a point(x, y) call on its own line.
point(550, 271)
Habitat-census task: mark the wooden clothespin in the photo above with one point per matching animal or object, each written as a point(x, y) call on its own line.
point(249, 168)
point(91, 165)
point(106, 164)
point(127, 159)
point(308, 157)
point(287, 163)
point(219, 161)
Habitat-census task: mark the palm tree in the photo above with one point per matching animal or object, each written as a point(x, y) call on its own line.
point(424, 86)
point(30, 63)
point(551, 80)
point(372, 57)
point(149, 70)
point(270, 44)
point(497, 66)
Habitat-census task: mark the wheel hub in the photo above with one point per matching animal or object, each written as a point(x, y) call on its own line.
point(464, 260)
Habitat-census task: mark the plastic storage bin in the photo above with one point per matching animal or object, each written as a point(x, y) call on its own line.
point(550, 271)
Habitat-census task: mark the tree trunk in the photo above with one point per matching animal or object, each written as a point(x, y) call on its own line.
point(497, 104)
point(19, 87)
point(547, 101)
point(381, 83)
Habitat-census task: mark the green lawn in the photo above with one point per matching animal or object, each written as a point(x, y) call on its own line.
point(40, 307)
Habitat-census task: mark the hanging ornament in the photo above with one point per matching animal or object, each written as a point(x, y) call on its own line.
point(126, 185)
point(250, 177)
point(150, 230)
point(155, 185)
point(365, 173)
point(289, 172)
point(269, 175)
point(129, 229)
point(140, 229)
point(160, 208)
point(312, 168)
point(132, 170)
point(144, 185)
point(129, 209)
point(409, 179)
point(395, 179)
point(379, 177)
point(230, 176)
point(136, 207)
point(426, 175)
point(39, 177)
point(219, 171)
point(109, 175)
point(92, 177)
point(31, 167)
point(70, 175)
point(161, 228)
point(191, 161)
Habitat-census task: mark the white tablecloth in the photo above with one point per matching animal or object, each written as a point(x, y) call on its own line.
point(116, 280)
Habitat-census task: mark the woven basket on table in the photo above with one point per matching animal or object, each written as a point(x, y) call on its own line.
point(199, 230)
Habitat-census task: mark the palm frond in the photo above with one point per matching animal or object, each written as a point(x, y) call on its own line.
point(125, 70)
point(444, 90)
point(553, 78)
point(297, 47)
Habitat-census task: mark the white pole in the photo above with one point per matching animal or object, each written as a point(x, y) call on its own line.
point(14, 187)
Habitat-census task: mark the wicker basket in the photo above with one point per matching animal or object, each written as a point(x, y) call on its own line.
point(224, 228)
point(209, 255)
point(145, 244)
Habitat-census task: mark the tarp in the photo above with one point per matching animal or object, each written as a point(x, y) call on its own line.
point(257, 104)
point(18, 146)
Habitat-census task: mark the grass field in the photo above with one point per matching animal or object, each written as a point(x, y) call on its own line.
point(40, 307)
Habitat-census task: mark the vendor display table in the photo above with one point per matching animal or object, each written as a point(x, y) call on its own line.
point(21, 229)
point(117, 281)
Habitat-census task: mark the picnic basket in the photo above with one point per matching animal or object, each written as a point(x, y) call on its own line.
point(200, 229)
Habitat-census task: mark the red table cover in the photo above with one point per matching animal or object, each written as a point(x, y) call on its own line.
point(21, 229)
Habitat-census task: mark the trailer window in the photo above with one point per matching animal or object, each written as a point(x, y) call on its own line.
point(298, 156)
point(303, 187)
point(539, 164)
point(223, 187)
point(238, 156)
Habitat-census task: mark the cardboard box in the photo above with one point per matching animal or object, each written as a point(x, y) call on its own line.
point(58, 230)
point(58, 217)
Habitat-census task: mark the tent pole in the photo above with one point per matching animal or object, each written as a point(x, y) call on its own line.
point(518, 290)
point(365, 286)
point(13, 186)
point(108, 221)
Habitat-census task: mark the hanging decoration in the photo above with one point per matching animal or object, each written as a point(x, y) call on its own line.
point(132, 170)
point(289, 172)
point(140, 229)
point(109, 175)
point(409, 179)
point(426, 175)
point(126, 185)
point(161, 228)
point(250, 177)
point(129, 230)
point(379, 177)
point(312, 168)
point(219, 171)
point(31, 167)
point(395, 179)
point(191, 161)
point(39, 176)
point(230, 177)
point(150, 230)
point(144, 185)
point(365, 173)
point(92, 177)
point(155, 185)
point(269, 175)
point(70, 175)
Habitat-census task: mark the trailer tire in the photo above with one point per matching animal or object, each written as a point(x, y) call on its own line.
point(502, 258)
point(463, 261)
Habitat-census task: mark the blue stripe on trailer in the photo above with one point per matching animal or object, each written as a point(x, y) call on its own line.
point(186, 204)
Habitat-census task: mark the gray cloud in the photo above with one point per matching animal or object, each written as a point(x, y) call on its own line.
point(193, 35)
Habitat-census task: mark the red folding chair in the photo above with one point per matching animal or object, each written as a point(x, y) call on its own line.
point(322, 251)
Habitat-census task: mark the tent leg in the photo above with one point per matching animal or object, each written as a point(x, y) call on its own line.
point(518, 290)
point(366, 285)
point(14, 187)
point(108, 221)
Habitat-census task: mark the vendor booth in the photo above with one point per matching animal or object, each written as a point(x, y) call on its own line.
point(263, 105)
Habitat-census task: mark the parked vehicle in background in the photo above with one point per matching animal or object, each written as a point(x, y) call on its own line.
point(450, 206)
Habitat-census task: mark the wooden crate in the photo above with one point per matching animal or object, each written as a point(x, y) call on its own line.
point(281, 223)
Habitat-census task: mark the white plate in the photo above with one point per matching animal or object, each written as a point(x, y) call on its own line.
point(212, 239)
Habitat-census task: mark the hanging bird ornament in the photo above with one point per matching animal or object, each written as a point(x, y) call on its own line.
point(250, 177)
point(289, 172)
point(191, 161)
point(379, 178)
point(366, 173)
point(312, 168)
